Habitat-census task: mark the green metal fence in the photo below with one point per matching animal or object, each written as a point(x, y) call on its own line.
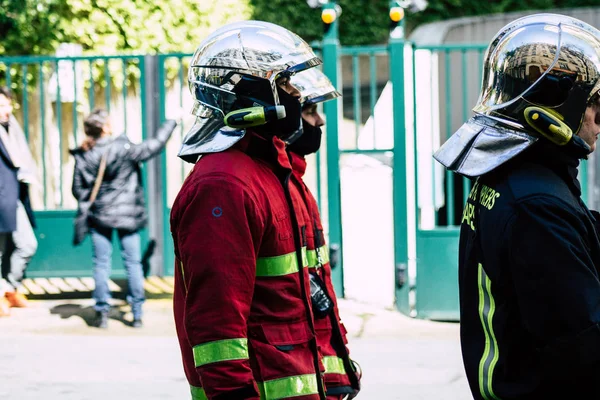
point(52, 96)
point(438, 218)
point(174, 95)
point(426, 92)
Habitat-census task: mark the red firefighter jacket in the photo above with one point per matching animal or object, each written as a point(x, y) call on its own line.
point(241, 302)
point(340, 376)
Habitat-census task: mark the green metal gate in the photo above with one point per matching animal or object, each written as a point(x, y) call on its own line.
point(52, 96)
point(431, 90)
point(460, 70)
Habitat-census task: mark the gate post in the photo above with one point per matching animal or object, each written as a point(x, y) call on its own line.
point(330, 52)
point(399, 180)
point(155, 191)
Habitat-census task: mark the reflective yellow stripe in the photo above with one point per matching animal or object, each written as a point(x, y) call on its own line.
point(279, 265)
point(198, 393)
point(292, 386)
point(334, 365)
point(313, 259)
point(221, 350)
point(283, 388)
point(487, 308)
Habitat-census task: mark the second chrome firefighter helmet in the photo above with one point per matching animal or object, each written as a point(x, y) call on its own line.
point(540, 73)
point(314, 87)
point(233, 79)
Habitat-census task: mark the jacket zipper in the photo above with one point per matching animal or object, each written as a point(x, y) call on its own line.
point(298, 245)
point(335, 325)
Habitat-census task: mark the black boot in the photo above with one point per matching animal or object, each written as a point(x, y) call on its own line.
point(101, 319)
point(137, 323)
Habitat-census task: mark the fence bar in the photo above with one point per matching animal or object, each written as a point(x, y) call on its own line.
point(124, 92)
point(452, 47)
point(43, 126)
point(465, 112)
point(8, 77)
point(75, 123)
point(107, 87)
point(358, 50)
point(356, 98)
point(181, 131)
point(365, 151)
point(415, 137)
point(91, 93)
point(373, 95)
point(25, 102)
point(449, 174)
point(60, 132)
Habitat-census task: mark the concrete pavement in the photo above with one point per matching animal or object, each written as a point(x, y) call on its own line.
point(48, 351)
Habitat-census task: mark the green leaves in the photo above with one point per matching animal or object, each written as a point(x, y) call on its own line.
point(112, 26)
point(147, 26)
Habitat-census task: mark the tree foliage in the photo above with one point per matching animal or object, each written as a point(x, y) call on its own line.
point(147, 26)
point(361, 22)
point(112, 26)
point(445, 9)
point(366, 21)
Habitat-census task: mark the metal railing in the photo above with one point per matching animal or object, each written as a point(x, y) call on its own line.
point(53, 95)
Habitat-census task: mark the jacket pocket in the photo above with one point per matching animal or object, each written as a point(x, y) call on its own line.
point(344, 332)
point(283, 360)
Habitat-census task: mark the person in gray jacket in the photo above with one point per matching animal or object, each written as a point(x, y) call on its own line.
point(119, 205)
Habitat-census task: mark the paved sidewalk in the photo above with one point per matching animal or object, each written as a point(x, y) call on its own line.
point(48, 351)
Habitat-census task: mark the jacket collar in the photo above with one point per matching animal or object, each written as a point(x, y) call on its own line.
point(563, 160)
point(298, 163)
point(271, 150)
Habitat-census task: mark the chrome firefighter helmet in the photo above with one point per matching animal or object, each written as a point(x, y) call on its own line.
point(232, 77)
point(314, 87)
point(540, 73)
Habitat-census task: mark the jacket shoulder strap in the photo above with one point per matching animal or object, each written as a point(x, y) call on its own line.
point(99, 178)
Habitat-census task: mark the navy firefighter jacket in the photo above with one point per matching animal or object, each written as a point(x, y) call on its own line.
point(529, 281)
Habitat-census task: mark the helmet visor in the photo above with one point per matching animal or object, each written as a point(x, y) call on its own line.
point(231, 91)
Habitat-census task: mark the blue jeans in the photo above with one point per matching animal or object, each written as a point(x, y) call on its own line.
point(16, 250)
point(131, 253)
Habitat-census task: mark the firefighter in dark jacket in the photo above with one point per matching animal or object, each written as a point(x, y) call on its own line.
point(342, 374)
point(242, 300)
point(529, 259)
point(119, 205)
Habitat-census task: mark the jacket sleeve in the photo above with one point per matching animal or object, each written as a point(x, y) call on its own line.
point(151, 147)
point(556, 284)
point(218, 234)
point(77, 188)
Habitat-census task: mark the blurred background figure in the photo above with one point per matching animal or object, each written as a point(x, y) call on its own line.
point(119, 205)
point(18, 243)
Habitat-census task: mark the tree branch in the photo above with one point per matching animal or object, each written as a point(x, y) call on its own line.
point(119, 27)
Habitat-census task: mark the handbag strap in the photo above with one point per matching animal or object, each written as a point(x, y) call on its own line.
point(99, 178)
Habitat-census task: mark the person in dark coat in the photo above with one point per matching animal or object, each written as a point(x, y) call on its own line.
point(119, 205)
point(18, 243)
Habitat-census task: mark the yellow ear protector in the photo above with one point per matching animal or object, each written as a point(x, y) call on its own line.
point(254, 116)
point(549, 124)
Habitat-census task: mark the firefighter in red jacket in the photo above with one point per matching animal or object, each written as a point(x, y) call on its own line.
point(242, 296)
point(342, 375)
